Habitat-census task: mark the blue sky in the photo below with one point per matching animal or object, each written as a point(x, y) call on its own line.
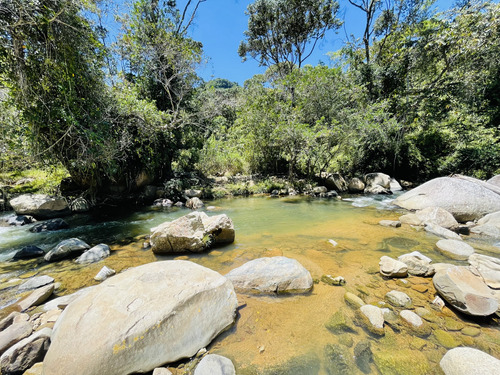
point(220, 24)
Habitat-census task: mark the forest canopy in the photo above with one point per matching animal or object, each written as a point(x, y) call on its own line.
point(416, 96)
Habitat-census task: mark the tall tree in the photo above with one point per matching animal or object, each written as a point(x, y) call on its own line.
point(285, 32)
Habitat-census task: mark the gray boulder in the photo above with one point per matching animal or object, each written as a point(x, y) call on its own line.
point(21, 356)
point(487, 267)
point(392, 268)
point(13, 334)
point(49, 225)
point(194, 203)
point(356, 185)
point(95, 254)
point(469, 361)
point(377, 183)
point(40, 206)
point(66, 249)
point(395, 186)
point(271, 275)
point(141, 319)
point(465, 291)
point(455, 249)
point(398, 299)
point(35, 298)
point(194, 232)
point(214, 364)
point(336, 182)
point(486, 230)
point(490, 219)
point(434, 215)
point(465, 200)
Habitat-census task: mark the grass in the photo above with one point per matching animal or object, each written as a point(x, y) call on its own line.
point(36, 180)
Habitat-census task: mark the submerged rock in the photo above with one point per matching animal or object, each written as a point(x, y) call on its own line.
point(441, 232)
point(465, 291)
point(398, 299)
point(271, 275)
point(373, 318)
point(401, 361)
point(50, 225)
point(65, 249)
point(338, 360)
point(194, 232)
point(29, 252)
point(162, 312)
point(465, 200)
point(36, 282)
point(467, 361)
point(418, 264)
point(40, 206)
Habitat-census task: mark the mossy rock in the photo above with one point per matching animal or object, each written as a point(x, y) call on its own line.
point(363, 356)
point(338, 360)
point(453, 324)
point(417, 343)
point(471, 331)
point(427, 315)
point(346, 340)
point(401, 362)
point(445, 339)
point(340, 322)
point(353, 300)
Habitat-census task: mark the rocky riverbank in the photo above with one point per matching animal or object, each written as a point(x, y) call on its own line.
point(409, 297)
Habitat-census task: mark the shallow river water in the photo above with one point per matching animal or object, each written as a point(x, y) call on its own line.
point(287, 335)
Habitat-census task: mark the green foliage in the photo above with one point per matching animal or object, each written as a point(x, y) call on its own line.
point(285, 32)
point(44, 180)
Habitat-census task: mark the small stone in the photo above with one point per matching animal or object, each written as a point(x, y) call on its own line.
point(214, 364)
point(445, 339)
point(452, 324)
point(420, 288)
point(390, 223)
point(339, 322)
point(373, 318)
point(411, 318)
point(104, 273)
point(333, 243)
point(334, 281)
point(438, 303)
point(471, 331)
point(426, 314)
point(398, 299)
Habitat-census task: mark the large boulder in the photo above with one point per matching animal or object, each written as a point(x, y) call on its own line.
point(40, 206)
point(377, 183)
point(356, 185)
point(434, 215)
point(194, 232)
point(468, 361)
point(464, 199)
point(336, 182)
point(455, 249)
point(487, 267)
point(492, 219)
point(271, 275)
point(392, 268)
point(495, 180)
point(465, 291)
point(66, 249)
point(141, 319)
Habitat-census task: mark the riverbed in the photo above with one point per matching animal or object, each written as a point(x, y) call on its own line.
point(283, 335)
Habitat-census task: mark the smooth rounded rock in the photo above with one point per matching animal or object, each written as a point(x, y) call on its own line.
point(374, 317)
point(455, 249)
point(95, 254)
point(141, 319)
point(465, 291)
point(214, 364)
point(418, 264)
point(469, 361)
point(465, 200)
point(271, 275)
point(66, 249)
point(411, 318)
point(398, 299)
point(29, 252)
point(194, 232)
point(392, 268)
point(441, 232)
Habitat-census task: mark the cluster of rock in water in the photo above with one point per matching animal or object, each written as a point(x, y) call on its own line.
point(144, 332)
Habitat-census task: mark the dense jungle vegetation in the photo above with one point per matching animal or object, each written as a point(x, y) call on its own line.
point(416, 96)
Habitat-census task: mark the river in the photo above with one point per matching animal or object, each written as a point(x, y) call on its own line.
point(284, 335)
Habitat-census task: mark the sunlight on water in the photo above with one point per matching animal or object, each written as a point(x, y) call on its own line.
point(283, 335)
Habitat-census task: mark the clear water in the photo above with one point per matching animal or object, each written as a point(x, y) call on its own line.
point(282, 335)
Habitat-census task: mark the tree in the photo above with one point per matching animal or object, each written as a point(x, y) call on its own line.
point(285, 32)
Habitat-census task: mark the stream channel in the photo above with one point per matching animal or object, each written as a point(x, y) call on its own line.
point(286, 334)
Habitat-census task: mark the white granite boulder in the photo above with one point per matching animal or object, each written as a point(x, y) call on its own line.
point(465, 200)
point(271, 275)
point(465, 291)
point(194, 232)
point(141, 319)
point(40, 206)
point(469, 361)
